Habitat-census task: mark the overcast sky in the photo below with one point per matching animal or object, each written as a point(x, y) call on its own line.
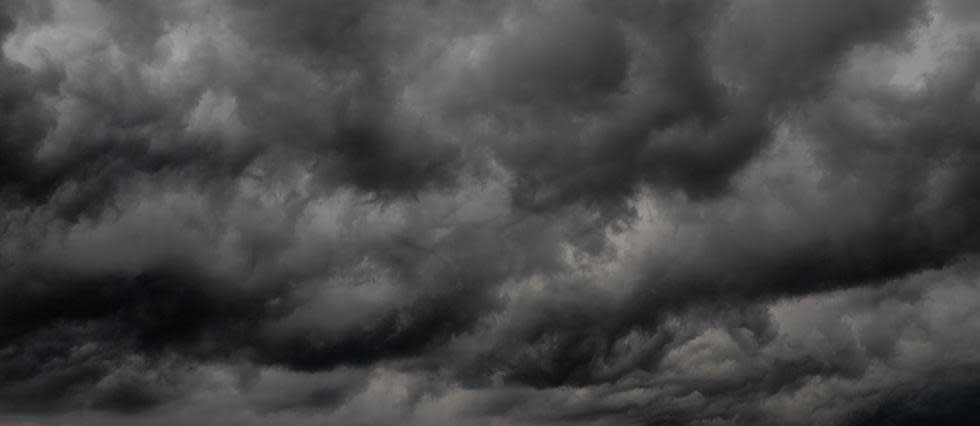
point(458, 212)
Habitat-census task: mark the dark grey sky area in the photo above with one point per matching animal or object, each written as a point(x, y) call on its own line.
point(459, 212)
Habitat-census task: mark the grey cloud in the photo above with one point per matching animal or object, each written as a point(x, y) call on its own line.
point(438, 212)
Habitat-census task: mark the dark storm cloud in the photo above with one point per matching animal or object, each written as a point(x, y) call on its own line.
point(446, 212)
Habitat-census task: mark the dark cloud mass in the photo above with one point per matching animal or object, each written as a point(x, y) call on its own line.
point(492, 213)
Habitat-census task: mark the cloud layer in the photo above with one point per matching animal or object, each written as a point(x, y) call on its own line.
point(454, 212)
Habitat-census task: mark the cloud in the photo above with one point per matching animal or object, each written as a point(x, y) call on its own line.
point(443, 212)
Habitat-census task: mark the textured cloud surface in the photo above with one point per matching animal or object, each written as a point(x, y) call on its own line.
point(228, 212)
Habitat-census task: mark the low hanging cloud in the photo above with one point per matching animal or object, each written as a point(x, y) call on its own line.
point(446, 212)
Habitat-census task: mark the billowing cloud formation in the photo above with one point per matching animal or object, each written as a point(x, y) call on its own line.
point(453, 212)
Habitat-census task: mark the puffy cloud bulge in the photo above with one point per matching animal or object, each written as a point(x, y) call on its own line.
point(527, 212)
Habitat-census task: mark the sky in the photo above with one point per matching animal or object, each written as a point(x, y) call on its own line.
point(445, 212)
